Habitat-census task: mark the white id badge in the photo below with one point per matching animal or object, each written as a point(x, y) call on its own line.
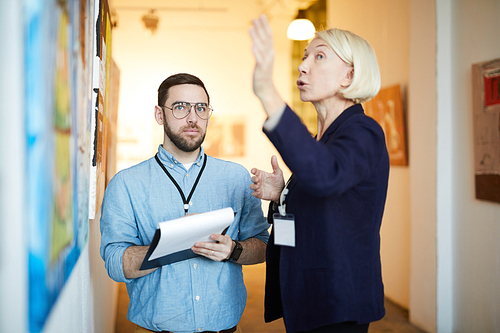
point(284, 229)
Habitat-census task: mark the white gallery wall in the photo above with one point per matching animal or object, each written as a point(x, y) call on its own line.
point(422, 143)
point(13, 253)
point(474, 246)
point(455, 251)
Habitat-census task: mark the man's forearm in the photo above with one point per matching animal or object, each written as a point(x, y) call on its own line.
point(132, 260)
point(254, 252)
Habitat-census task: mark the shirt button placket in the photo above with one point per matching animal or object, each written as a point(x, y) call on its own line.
point(196, 272)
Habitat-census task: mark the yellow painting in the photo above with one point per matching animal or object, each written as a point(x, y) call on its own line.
point(62, 227)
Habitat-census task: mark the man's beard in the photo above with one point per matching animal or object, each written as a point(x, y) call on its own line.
point(180, 142)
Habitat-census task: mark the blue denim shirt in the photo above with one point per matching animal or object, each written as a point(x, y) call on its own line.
point(192, 295)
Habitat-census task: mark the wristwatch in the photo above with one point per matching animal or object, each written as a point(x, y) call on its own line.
point(235, 255)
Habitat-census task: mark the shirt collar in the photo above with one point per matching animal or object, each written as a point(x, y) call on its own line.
point(168, 159)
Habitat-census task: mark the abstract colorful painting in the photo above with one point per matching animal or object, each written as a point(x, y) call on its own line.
point(58, 69)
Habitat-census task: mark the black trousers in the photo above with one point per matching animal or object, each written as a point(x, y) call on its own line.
point(347, 327)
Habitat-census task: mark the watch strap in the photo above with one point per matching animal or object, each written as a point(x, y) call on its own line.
point(235, 254)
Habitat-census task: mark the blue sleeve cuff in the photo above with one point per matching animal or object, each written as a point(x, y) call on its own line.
point(113, 258)
point(263, 236)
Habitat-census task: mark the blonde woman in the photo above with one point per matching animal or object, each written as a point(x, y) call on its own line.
point(323, 258)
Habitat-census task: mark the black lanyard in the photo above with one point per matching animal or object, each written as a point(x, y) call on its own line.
point(186, 201)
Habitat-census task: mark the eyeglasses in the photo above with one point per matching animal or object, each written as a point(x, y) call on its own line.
point(181, 110)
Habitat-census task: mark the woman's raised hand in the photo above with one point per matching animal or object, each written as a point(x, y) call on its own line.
point(263, 51)
point(268, 186)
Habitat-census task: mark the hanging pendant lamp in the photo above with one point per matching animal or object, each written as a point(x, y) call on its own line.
point(301, 28)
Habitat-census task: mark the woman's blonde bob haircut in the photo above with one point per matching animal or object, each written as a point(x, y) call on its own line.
point(358, 53)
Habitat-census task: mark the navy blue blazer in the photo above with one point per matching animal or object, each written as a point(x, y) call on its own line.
point(337, 194)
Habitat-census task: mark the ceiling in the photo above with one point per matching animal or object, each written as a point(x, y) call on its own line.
point(212, 14)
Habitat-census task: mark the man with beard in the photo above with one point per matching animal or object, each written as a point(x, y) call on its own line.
point(201, 294)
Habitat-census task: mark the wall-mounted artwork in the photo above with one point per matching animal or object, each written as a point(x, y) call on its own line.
point(225, 137)
point(114, 84)
point(58, 76)
point(100, 101)
point(486, 111)
point(387, 109)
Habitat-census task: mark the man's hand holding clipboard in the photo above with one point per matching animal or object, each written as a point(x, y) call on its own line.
point(174, 239)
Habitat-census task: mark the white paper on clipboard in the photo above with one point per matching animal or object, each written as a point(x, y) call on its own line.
point(181, 234)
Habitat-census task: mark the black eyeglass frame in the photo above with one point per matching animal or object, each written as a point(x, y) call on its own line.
point(191, 105)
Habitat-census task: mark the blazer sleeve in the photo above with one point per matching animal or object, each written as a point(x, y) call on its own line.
point(334, 165)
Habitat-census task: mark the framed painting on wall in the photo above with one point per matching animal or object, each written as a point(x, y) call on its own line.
point(100, 101)
point(226, 137)
point(486, 122)
point(387, 109)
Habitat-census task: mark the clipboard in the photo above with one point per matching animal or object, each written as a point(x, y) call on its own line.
point(173, 239)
